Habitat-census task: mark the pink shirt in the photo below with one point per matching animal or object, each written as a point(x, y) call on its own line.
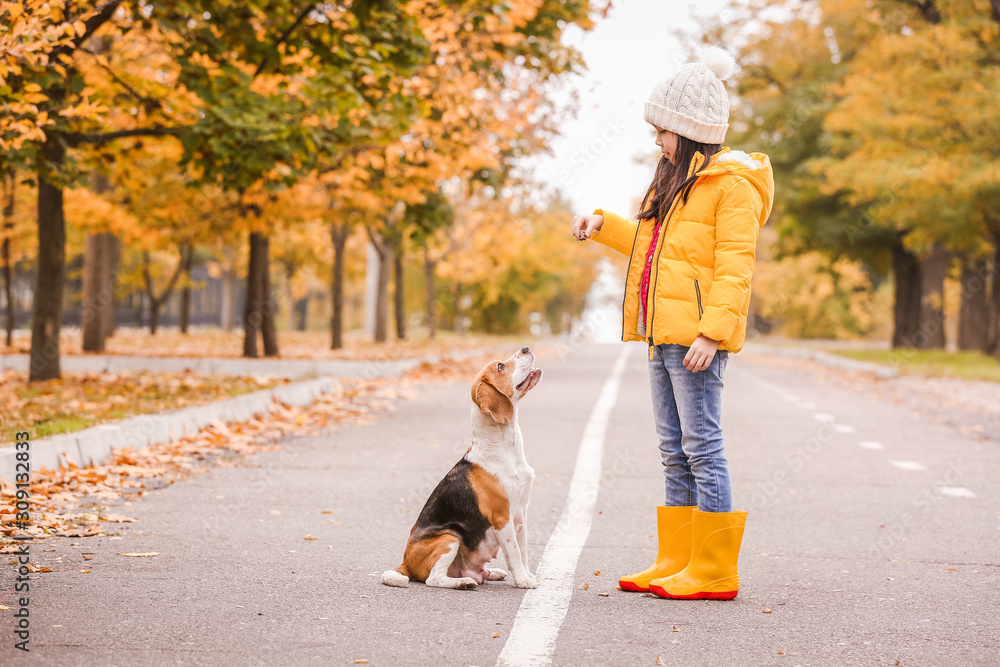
point(644, 284)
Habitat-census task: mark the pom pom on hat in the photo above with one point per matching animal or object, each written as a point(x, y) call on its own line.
point(693, 102)
point(719, 62)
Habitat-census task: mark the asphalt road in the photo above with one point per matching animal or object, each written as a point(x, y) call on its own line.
point(873, 538)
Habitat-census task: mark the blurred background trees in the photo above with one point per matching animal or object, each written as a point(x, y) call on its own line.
point(267, 165)
point(881, 118)
point(226, 135)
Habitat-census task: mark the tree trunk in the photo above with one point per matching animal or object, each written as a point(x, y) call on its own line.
point(259, 311)
point(429, 273)
point(100, 280)
point(339, 234)
point(228, 294)
point(382, 296)
point(46, 317)
point(973, 313)
point(9, 185)
point(269, 307)
point(933, 270)
point(290, 297)
point(186, 291)
point(252, 317)
point(8, 292)
point(157, 302)
point(302, 311)
point(95, 281)
point(992, 343)
point(906, 310)
point(400, 291)
point(154, 315)
point(385, 252)
point(113, 256)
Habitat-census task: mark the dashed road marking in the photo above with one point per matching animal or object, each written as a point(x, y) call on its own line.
point(956, 491)
point(823, 417)
point(908, 465)
point(843, 428)
point(871, 444)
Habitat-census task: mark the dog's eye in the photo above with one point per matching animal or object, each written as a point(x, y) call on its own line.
point(501, 366)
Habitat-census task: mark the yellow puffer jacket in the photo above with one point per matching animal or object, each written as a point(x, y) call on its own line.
point(704, 260)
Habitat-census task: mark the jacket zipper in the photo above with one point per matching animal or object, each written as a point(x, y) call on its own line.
point(627, 272)
point(697, 293)
point(656, 262)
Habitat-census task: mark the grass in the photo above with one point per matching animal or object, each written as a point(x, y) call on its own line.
point(932, 363)
point(81, 400)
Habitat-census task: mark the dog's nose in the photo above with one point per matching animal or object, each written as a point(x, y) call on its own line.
point(525, 350)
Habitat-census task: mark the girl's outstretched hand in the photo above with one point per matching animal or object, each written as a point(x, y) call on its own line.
point(584, 226)
point(700, 354)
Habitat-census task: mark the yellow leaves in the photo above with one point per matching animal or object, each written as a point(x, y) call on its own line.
point(810, 296)
point(85, 109)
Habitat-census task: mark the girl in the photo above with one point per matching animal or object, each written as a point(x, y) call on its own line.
point(687, 294)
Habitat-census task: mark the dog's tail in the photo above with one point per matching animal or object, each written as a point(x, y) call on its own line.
point(398, 577)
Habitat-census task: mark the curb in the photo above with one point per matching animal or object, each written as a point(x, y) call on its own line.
point(825, 358)
point(92, 445)
point(104, 363)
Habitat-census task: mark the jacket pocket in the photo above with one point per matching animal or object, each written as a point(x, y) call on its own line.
point(697, 294)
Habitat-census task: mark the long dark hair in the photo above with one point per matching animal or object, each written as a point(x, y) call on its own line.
point(671, 178)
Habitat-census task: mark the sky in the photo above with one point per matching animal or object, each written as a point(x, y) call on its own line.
point(593, 161)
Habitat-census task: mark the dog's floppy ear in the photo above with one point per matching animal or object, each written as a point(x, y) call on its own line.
point(492, 401)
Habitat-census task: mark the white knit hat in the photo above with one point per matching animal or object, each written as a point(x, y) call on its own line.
point(693, 102)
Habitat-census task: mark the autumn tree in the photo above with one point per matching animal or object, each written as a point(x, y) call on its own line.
point(873, 115)
point(913, 133)
point(430, 218)
point(48, 111)
point(485, 101)
point(254, 90)
point(281, 86)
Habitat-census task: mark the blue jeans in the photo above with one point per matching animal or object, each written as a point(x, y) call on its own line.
point(687, 410)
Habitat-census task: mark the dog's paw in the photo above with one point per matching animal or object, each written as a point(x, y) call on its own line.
point(497, 574)
point(527, 582)
point(466, 584)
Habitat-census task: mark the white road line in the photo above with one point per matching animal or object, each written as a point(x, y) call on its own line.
point(823, 417)
point(956, 491)
point(843, 428)
point(532, 639)
point(871, 444)
point(807, 406)
point(908, 465)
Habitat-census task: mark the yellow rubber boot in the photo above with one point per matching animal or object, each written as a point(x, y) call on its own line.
point(673, 527)
point(711, 573)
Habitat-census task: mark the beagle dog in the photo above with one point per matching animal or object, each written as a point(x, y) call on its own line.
point(481, 505)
